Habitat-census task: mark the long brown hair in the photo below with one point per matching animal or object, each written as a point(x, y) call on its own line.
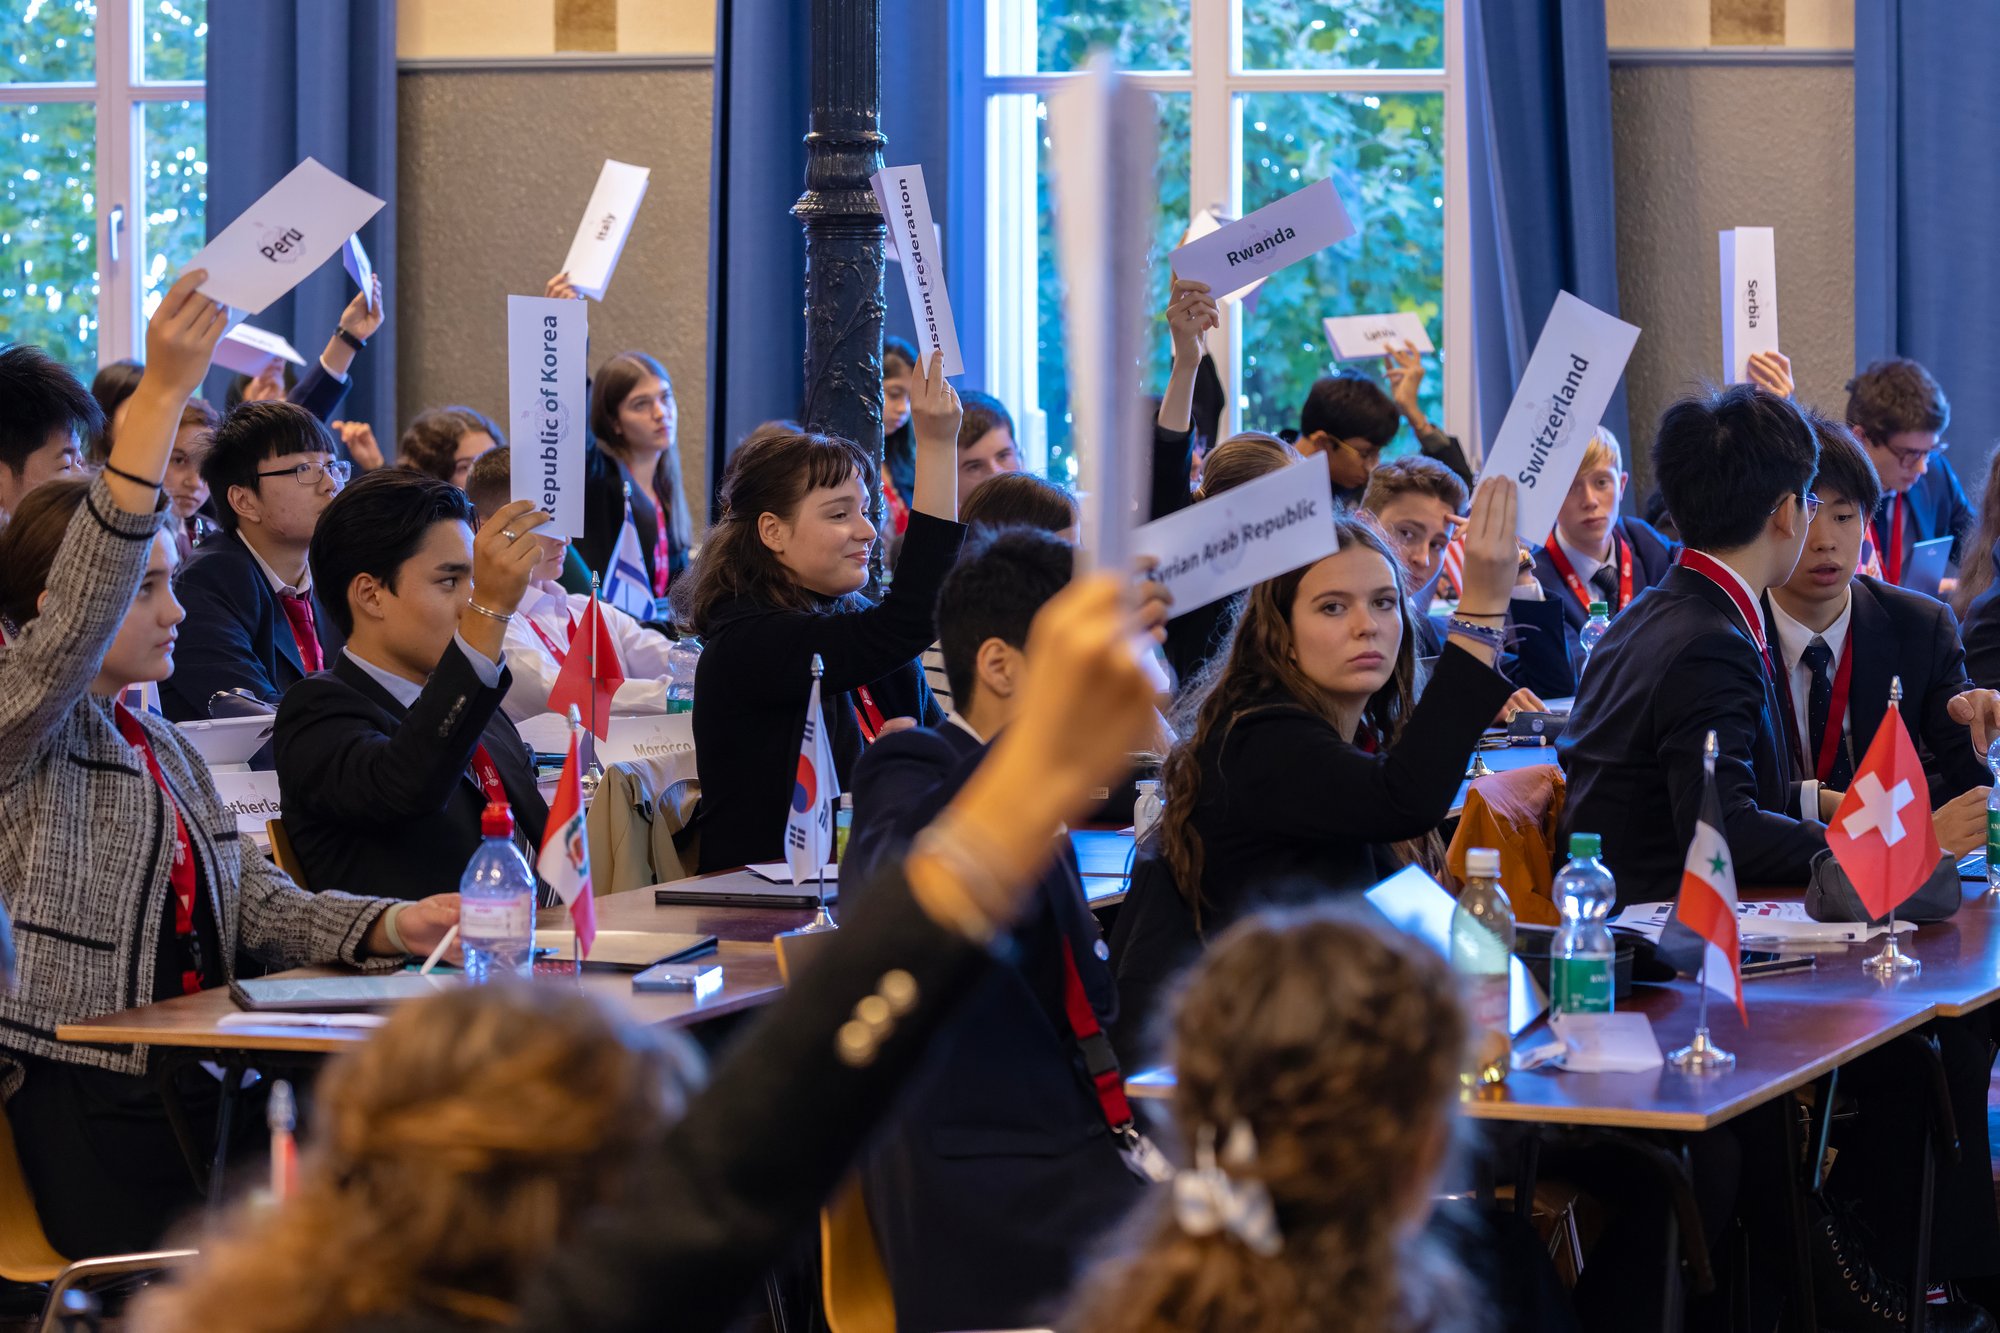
point(1337, 1044)
point(615, 379)
point(449, 1156)
point(1244, 456)
point(1975, 573)
point(1257, 670)
point(29, 542)
point(771, 473)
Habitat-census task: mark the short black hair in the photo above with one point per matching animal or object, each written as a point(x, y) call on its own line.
point(251, 435)
point(1724, 460)
point(895, 349)
point(983, 414)
point(1002, 578)
point(39, 397)
point(1350, 406)
point(1845, 469)
point(374, 527)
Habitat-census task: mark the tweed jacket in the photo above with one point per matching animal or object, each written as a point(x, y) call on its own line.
point(86, 840)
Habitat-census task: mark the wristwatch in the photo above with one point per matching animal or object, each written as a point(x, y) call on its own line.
point(340, 332)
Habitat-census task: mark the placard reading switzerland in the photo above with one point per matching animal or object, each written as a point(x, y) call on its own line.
point(548, 407)
point(1243, 536)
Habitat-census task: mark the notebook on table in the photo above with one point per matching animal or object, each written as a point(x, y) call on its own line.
point(625, 950)
point(742, 888)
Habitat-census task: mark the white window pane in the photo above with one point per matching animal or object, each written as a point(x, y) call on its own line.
point(174, 173)
point(48, 229)
point(1343, 34)
point(48, 41)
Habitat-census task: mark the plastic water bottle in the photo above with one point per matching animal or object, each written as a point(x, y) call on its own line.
point(1594, 628)
point(496, 903)
point(1482, 945)
point(1146, 810)
point(1993, 819)
point(1581, 968)
point(683, 656)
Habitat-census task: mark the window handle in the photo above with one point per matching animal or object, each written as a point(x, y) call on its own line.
point(115, 229)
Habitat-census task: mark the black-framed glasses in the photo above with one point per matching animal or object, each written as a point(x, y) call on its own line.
point(308, 474)
point(1912, 457)
point(1809, 500)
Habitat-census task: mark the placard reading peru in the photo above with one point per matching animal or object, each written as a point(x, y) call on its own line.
point(1277, 235)
point(1557, 405)
point(283, 237)
point(607, 221)
point(1358, 337)
point(907, 207)
point(548, 406)
point(1749, 297)
point(1243, 536)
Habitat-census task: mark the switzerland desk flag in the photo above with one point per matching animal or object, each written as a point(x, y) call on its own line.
point(1708, 897)
point(1882, 834)
point(564, 864)
point(809, 822)
point(590, 673)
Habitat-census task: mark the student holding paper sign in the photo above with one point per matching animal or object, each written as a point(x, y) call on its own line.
point(1349, 419)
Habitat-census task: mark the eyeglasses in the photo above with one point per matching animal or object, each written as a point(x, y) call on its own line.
point(1809, 500)
point(1912, 457)
point(308, 474)
point(1368, 453)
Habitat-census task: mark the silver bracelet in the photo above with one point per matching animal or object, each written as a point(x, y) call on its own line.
point(1493, 636)
point(489, 613)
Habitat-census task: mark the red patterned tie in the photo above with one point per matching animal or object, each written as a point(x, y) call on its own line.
point(298, 610)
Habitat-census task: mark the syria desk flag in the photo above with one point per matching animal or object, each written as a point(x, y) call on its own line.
point(815, 789)
point(1882, 833)
point(564, 864)
point(590, 673)
point(1708, 896)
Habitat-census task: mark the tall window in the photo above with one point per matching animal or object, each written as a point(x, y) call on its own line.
point(1256, 98)
point(103, 182)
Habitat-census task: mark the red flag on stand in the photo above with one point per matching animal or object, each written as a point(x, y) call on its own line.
point(590, 673)
point(1882, 834)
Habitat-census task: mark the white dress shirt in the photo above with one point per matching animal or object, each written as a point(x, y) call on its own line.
point(278, 585)
point(1793, 640)
point(642, 654)
point(1586, 566)
point(405, 691)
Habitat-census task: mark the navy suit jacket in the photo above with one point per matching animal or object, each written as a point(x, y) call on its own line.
point(1545, 670)
point(1675, 665)
point(1981, 636)
point(236, 635)
point(320, 393)
point(1937, 508)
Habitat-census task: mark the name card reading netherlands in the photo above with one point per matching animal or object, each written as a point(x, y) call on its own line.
point(279, 240)
point(1276, 236)
point(1243, 536)
point(547, 406)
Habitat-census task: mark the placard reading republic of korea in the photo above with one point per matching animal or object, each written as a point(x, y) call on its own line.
point(607, 221)
point(907, 207)
point(1276, 236)
point(283, 237)
point(1749, 298)
point(1359, 337)
point(548, 406)
point(1243, 536)
point(1557, 405)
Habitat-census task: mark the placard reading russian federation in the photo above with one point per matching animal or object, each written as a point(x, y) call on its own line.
point(607, 221)
point(1243, 536)
point(1276, 236)
point(247, 350)
point(283, 237)
point(907, 207)
point(1557, 405)
point(1749, 298)
point(1359, 337)
point(548, 406)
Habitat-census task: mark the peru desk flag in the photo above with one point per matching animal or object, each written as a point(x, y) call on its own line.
point(1708, 897)
point(815, 790)
point(1882, 833)
point(564, 864)
point(591, 673)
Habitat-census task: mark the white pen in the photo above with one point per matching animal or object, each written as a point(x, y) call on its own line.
point(438, 952)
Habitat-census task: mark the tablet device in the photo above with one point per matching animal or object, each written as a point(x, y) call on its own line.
point(624, 950)
point(1925, 570)
point(741, 888)
point(313, 994)
point(1418, 905)
point(229, 740)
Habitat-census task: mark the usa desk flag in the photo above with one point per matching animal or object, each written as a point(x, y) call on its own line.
point(625, 585)
point(564, 864)
point(809, 823)
point(1708, 895)
point(1882, 833)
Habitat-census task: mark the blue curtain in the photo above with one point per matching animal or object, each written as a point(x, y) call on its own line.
point(1926, 276)
point(292, 79)
point(1538, 85)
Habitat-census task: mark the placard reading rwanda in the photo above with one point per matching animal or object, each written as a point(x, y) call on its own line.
point(548, 406)
point(1243, 536)
point(1277, 235)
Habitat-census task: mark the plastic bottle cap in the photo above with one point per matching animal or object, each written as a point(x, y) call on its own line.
point(1600, 609)
point(1482, 863)
point(497, 822)
point(1585, 844)
point(1147, 786)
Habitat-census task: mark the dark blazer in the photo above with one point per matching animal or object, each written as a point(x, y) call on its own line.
point(375, 796)
point(1937, 508)
point(320, 393)
point(236, 635)
point(1554, 675)
point(1895, 632)
point(997, 1175)
point(750, 692)
point(604, 494)
point(1980, 634)
point(1196, 633)
point(1675, 665)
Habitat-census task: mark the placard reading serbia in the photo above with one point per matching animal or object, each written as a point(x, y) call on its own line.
point(545, 391)
point(1243, 536)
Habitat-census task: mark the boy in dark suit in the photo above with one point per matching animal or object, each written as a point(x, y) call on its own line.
point(1348, 418)
point(1002, 1171)
point(1898, 413)
point(387, 760)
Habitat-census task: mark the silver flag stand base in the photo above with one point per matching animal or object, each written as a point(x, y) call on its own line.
point(1892, 961)
point(1701, 1056)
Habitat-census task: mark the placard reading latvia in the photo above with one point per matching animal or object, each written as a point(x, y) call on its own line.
point(607, 221)
point(1243, 536)
point(1359, 337)
point(1749, 298)
point(548, 406)
point(247, 350)
point(1276, 236)
point(907, 207)
point(1557, 405)
point(654, 738)
point(283, 237)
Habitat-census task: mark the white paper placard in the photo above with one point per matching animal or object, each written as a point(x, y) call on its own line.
point(252, 797)
point(1247, 534)
point(1614, 1043)
point(907, 207)
point(548, 406)
point(354, 258)
point(1276, 236)
point(1749, 298)
point(1359, 337)
point(652, 737)
point(1207, 222)
point(1557, 405)
point(247, 349)
point(890, 254)
point(607, 221)
point(283, 237)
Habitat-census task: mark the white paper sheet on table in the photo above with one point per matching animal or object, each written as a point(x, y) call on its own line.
point(273, 1019)
point(1767, 920)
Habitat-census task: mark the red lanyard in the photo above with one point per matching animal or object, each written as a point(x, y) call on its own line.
point(1722, 577)
point(663, 551)
point(181, 876)
point(1892, 554)
point(488, 775)
point(1098, 1058)
point(871, 716)
point(1623, 552)
point(559, 651)
point(1836, 714)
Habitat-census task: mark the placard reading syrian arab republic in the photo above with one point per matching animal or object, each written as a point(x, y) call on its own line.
point(906, 206)
point(1749, 298)
point(1557, 405)
point(1359, 337)
point(1277, 235)
point(548, 406)
point(607, 221)
point(247, 350)
point(1243, 536)
point(279, 240)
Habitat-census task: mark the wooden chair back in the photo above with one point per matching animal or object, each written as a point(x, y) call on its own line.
point(25, 1252)
point(282, 854)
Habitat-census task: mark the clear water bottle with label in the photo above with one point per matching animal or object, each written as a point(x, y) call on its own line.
point(1993, 819)
point(1146, 810)
point(1482, 945)
point(683, 656)
point(1594, 628)
point(496, 903)
point(1580, 966)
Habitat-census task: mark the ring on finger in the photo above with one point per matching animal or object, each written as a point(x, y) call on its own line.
point(510, 534)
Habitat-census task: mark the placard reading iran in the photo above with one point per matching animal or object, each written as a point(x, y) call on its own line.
point(607, 221)
point(247, 350)
point(1277, 235)
point(548, 406)
point(252, 797)
point(1358, 337)
point(665, 740)
point(1243, 536)
point(1557, 405)
point(283, 237)
point(907, 207)
point(1749, 298)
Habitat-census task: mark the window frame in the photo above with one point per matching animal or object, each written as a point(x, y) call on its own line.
point(120, 93)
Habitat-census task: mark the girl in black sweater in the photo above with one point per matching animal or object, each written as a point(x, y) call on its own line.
point(779, 581)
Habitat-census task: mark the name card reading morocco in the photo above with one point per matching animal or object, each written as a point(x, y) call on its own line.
point(1277, 235)
point(1244, 536)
